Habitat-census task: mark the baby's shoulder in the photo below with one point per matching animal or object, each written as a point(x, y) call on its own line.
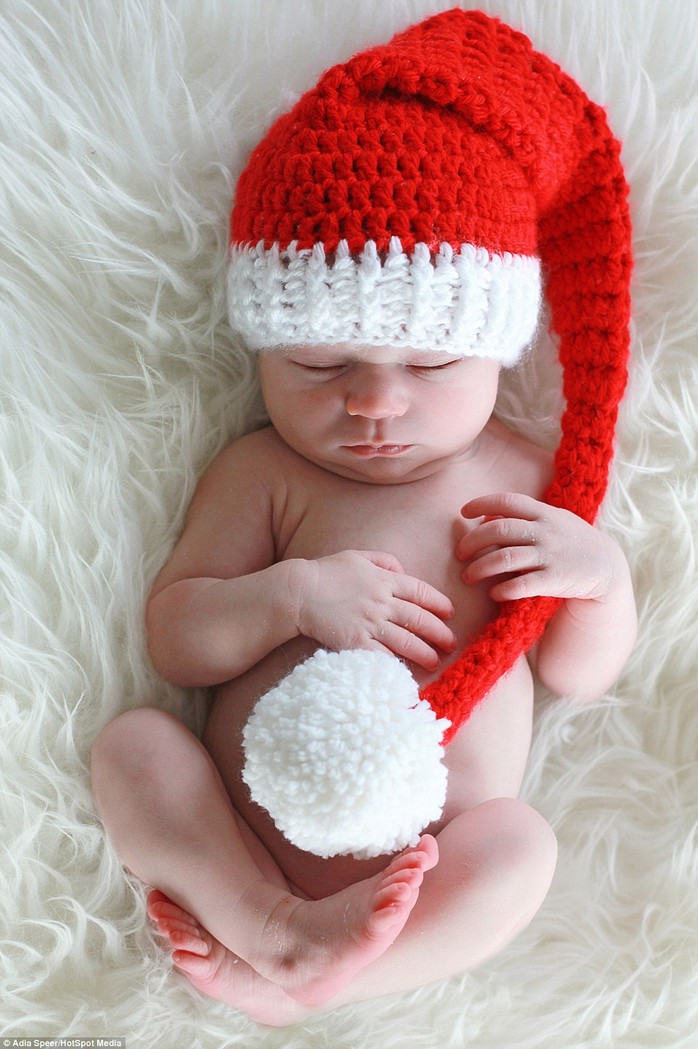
point(260, 454)
point(246, 470)
point(518, 464)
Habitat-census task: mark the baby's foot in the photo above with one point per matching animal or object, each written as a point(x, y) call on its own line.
point(312, 949)
point(218, 973)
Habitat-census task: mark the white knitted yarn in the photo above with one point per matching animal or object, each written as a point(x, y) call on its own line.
point(469, 302)
point(345, 756)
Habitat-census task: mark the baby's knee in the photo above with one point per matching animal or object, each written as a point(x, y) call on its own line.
point(129, 746)
point(513, 841)
point(528, 847)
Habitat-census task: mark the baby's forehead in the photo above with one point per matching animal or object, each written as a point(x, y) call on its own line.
point(347, 352)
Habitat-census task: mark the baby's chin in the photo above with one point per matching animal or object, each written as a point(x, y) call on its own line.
point(385, 469)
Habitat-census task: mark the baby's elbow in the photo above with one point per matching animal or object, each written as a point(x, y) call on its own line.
point(573, 687)
point(583, 658)
point(159, 650)
point(586, 681)
point(165, 646)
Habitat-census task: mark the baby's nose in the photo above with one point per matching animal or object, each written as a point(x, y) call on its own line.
point(376, 397)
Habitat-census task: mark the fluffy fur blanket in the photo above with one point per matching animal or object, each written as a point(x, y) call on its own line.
point(122, 128)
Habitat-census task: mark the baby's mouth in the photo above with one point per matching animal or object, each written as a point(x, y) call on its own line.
point(369, 451)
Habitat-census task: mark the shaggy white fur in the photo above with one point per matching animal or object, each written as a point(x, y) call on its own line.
point(122, 128)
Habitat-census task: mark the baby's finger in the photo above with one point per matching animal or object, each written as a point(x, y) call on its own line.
point(502, 531)
point(504, 504)
point(406, 645)
point(382, 560)
point(424, 624)
point(526, 584)
point(503, 561)
point(423, 595)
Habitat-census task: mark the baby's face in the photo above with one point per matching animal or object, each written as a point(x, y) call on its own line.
point(379, 414)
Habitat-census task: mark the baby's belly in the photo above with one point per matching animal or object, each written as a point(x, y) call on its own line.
point(485, 760)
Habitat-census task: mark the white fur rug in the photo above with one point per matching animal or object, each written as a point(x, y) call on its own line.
point(122, 127)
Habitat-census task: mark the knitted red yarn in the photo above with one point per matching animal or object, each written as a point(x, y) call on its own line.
point(584, 242)
point(458, 133)
point(380, 149)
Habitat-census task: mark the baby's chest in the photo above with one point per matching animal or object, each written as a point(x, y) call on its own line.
point(419, 525)
point(421, 532)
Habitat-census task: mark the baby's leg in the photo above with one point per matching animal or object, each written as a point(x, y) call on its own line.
point(172, 822)
point(496, 865)
point(495, 868)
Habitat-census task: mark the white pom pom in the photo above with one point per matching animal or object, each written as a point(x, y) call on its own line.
point(345, 756)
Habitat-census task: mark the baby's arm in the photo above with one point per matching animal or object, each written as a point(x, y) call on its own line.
point(534, 549)
point(205, 630)
point(221, 603)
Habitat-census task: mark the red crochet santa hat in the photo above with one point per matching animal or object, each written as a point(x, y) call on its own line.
point(415, 196)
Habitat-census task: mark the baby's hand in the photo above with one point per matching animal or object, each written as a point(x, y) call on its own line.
point(364, 599)
point(529, 549)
